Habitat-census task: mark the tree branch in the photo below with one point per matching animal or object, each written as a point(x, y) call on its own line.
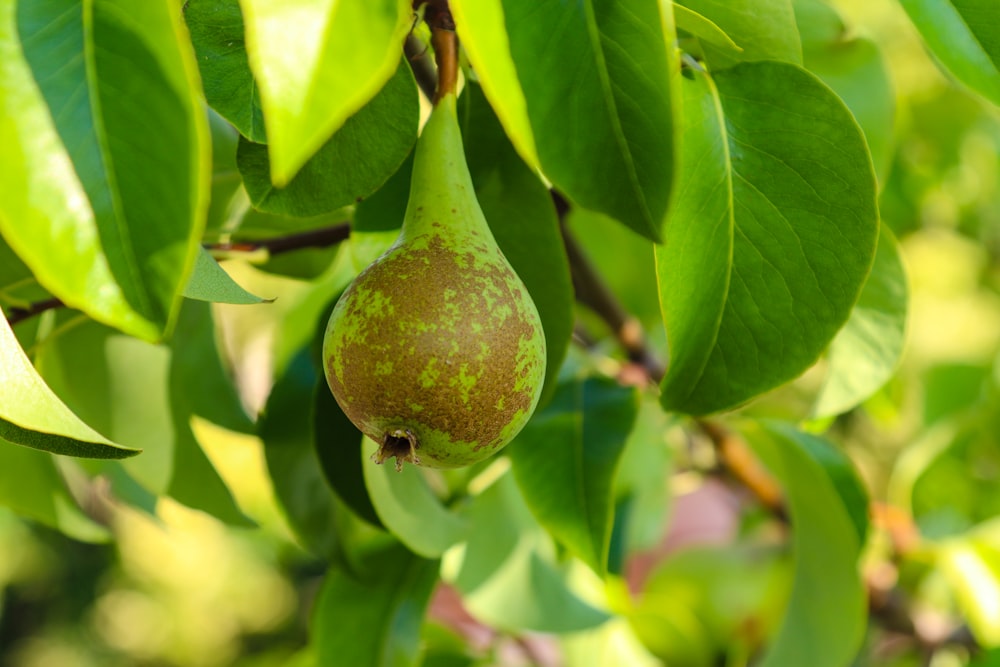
point(17, 315)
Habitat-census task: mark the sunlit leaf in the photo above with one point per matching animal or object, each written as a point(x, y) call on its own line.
point(866, 351)
point(703, 28)
point(971, 563)
point(771, 238)
point(360, 156)
point(314, 71)
point(375, 621)
point(965, 37)
point(598, 78)
point(478, 24)
point(565, 462)
point(32, 486)
point(824, 623)
point(408, 507)
point(102, 230)
point(33, 416)
point(523, 219)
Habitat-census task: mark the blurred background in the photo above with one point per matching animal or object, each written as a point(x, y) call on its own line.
point(182, 589)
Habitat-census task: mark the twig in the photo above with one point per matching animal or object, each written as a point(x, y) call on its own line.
point(17, 315)
point(421, 66)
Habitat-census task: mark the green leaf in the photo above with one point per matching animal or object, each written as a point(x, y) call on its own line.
point(104, 232)
point(287, 430)
point(407, 506)
point(771, 238)
point(32, 486)
point(364, 152)
point(824, 623)
point(217, 35)
point(524, 222)
point(210, 282)
point(507, 569)
point(316, 63)
point(697, 25)
point(599, 81)
point(374, 622)
point(32, 415)
point(226, 181)
point(764, 30)
point(965, 37)
point(565, 461)
point(866, 351)
point(488, 48)
point(854, 68)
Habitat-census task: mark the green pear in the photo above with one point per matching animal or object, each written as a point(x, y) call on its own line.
point(436, 351)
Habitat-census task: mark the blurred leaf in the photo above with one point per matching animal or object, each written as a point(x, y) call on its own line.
point(825, 620)
point(507, 572)
point(375, 622)
point(705, 29)
point(764, 30)
point(217, 35)
point(565, 461)
point(865, 353)
point(408, 508)
point(378, 219)
point(116, 238)
point(704, 601)
point(950, 389)
point(226, 181)
point(32, 486)
point(765, 253)
point(33, 416)
point(965, 37)
point(613, 644)
point(287, 431)
point(855, 69)
point(338, 446)
point(603, 96)
point(488, 48)
point(523, 220)
point(127, 388)
point(210, 282)
point(350, 165)
point(314, 70)
point(972, 565)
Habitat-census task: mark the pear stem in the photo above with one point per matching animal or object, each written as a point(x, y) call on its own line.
point(445, 43)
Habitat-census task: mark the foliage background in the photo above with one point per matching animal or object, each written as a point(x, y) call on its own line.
point(181, 588)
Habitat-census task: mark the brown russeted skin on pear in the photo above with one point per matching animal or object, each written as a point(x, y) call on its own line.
point(436, 351)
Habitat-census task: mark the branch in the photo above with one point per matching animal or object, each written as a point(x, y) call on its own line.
point(421, 66)
point(314, 238)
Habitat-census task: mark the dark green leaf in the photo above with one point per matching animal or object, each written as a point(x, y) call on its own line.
point(508, 574)
point(226, 181)
point(286, 428)
point(965, 37)
point(32, 486)
point(763, 30)
point(338, 446)
point(374, 622)
point(351, 165)
point(316, 64)
point(565, 461)
point(210, 282)
point(408, 507)
point(523, 219)
point(825, 620)
point(217, 35)
point(598, 77)
point(866, 351)
point(33, 416)
point(771, 238)
point(119, 86)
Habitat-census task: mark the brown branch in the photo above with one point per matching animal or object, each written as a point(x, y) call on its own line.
point(421, 66)
point(17, 315)
point(445, 43)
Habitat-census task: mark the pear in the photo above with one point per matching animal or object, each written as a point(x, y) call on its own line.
point(436, 351)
